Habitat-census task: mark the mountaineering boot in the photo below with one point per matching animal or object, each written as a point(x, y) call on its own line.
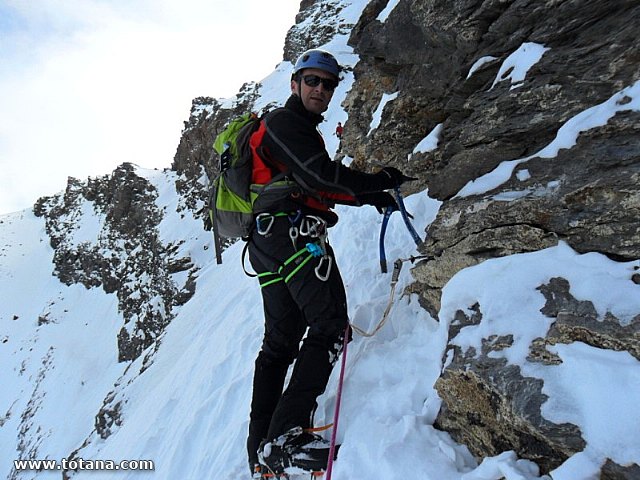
point(257, 471)
point(296, 448)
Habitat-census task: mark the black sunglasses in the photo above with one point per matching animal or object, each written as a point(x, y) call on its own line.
point(314, 80)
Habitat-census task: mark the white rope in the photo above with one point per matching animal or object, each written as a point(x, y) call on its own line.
point(381, 323)
point(397, 266)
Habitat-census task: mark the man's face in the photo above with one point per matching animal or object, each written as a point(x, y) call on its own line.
point(315, 99)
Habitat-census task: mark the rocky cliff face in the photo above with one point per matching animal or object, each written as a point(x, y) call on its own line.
point(106, 233)
point(586, 195)
point(425, 51)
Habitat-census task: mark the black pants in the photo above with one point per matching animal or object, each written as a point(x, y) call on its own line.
point(302, 303)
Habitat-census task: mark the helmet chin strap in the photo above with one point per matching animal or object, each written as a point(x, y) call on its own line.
point(297, 77)
point(299, 82)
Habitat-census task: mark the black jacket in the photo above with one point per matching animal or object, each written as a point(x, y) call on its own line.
point(292, 144)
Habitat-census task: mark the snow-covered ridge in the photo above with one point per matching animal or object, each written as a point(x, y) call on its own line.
point(109, 233)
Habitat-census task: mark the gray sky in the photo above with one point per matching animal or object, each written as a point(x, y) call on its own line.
point(86, 85)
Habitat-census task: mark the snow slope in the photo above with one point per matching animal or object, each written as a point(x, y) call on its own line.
point(188, 411)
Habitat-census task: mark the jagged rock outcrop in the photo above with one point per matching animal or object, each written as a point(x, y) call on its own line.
point(193, 160)
point(124, 254)
point(586, 196)
point(613, 471)
point(491, 407)
point(317, 23)
point(578, 321)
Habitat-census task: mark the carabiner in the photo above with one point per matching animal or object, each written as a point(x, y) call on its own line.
point(293, 235)
point(324, 277)
point(312, 226)
point(264, 231)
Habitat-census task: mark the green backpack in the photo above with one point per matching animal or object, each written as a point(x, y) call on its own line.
point(234, 198)
point(230, 203)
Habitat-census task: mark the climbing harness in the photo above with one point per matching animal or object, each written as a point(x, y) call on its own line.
point(309, 226)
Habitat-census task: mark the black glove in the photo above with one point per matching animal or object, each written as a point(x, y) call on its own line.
point(391, 177)
point(380, 200)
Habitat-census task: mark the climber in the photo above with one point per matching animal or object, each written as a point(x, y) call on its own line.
point(301, 286)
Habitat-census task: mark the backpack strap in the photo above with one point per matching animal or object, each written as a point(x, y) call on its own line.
point(244, 254)
point(217, 241)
